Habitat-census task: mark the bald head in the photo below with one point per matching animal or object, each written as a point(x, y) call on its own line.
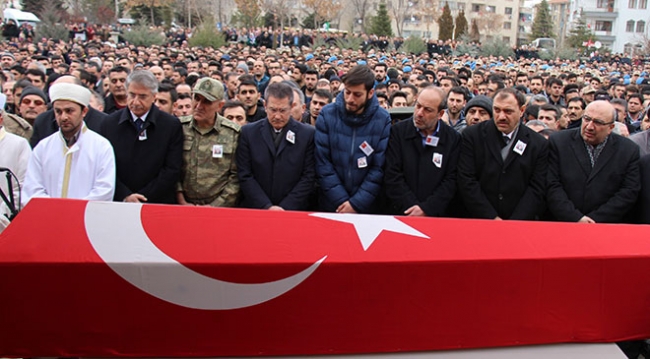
point(67, 79)
point(603, 109)
point(597, 122)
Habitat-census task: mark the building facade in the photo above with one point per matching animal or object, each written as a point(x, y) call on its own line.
point(619, 25)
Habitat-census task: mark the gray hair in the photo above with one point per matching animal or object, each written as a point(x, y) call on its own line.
point(300, 94)
point(538, 98)
point(532, 123)
point(144, 78)
point(98, 98)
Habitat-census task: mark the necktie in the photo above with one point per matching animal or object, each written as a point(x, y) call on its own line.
point(277, 138)
point(139, 124)
point(506, 139)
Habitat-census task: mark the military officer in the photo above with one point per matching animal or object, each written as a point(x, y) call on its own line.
point(209, 173)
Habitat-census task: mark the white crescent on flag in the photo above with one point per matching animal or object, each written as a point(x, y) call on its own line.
point(116, 233)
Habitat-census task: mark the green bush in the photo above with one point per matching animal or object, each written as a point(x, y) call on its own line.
point(143, 35)
point(349, 42)
point(414, 45)
point(207, 35)
point(51, 25)
point(465, 47)
point(496, 48)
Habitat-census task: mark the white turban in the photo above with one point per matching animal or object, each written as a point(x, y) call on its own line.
point(70, 92)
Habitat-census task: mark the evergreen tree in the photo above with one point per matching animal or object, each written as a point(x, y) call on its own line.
point(309, 22)
point(52, 24)
point(380, 24)
point(36, 6)
point(461, 25)
point(543, 22)
point(474, 34)
point(580, 34)
point(446, 23)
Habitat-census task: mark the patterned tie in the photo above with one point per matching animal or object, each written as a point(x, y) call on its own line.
point(139, 124)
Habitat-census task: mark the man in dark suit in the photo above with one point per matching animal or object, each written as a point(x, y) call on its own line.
point(45, 124)
point(421, 160)
point(593, 174)
point(643, 204)
point(117, 98)
point(502, 166)
point(148, 145)
point(275, 156)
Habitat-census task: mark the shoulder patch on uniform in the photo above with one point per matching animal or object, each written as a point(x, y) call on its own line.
point(230, 124)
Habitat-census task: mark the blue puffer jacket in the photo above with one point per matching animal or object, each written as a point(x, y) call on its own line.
point(339, 136)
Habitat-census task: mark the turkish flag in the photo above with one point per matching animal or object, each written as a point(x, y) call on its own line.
point(106, 279)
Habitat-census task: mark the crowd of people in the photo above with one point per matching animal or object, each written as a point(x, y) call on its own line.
point(327, 129)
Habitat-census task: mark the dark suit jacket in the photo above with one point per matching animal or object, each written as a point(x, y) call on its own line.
point(45, 124)
point(411, 178)
point(605, 193)
point(110, 105)
point(284, 177)
point(151, 167)
point(491, 187)
point(643, 208)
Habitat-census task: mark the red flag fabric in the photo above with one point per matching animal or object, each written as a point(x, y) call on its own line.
point(116, 279)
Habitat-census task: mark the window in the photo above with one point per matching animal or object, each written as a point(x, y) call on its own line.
point(629, 26)
point(640, 26)
point(508, 11)
point(603, 26)
point(631, 4)
point(476, 7)
point(627, 48)
point(643, 4)
point(506, 39)
point(491, 9)
point(507, 25)
point(601, 4)
point(461, 6)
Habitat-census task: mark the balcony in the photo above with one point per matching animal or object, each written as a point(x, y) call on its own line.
point(605, 36)
point(600, 13)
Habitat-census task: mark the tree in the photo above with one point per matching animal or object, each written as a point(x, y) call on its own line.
point(360, 8)
point(36, 6)
point(380, 24)
point(446, 23)
point(429, 12)
point(543, 22)
point(461, 25)
point(309, 22)
point(490, 23)
point(51, 25)
point(474, 34)
point(580, 34)
point(401, 11)
point(323, 10)
point(278, 11)
point(153, 6)
point(249, 12)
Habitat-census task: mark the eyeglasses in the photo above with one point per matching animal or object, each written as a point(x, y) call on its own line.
point(28, 102)
point(596, 122)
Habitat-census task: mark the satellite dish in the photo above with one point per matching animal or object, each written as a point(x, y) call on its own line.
point(598, 45)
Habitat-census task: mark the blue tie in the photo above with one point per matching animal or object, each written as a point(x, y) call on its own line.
point(139, 124)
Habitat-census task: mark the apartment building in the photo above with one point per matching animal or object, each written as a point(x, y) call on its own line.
point(619, 25)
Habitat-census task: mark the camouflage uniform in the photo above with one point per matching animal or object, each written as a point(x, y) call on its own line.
point(206, 180)
point(16, 125)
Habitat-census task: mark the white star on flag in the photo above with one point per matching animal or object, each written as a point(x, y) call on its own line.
point(369, 227)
